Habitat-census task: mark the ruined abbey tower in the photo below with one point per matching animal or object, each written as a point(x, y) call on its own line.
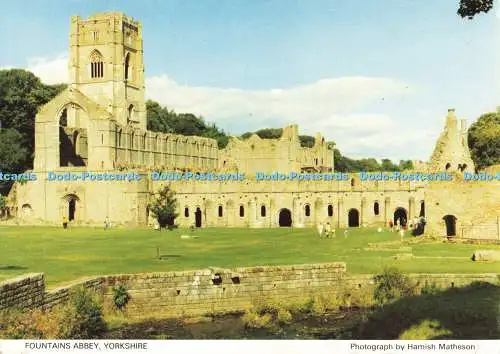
point(452, 153)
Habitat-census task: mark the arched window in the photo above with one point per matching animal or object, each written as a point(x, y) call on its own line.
point(127, 66)
point(242, 211)
point(220, 211)
point(263, 210)
point(330, 210)
point(307, 210)
point(130, 113)
point(186, 212)
point(96, 64)
point(376, 208)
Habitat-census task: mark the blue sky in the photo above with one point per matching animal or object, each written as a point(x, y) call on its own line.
point(377, 77)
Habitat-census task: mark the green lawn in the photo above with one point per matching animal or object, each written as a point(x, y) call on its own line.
point(64, 255)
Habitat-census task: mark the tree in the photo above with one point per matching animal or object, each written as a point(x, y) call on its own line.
point(484, 140)
point(14, 155)
point(307, 141)
point(21, 96)
point(470, 8)
point(164, 208)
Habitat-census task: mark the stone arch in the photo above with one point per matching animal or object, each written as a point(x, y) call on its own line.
point(451, 225)
point(353, 217)
point(128, 67)
point(422, 209)
point(285, 217)
point(242, 211)
point(70, 207)
point(400, 216)
point(130, 113)
point(330, 210)
point(73, 145)
point(307, 210)
point(198, 217)
point(186, 211)
point(26, 211)
point(263, 210)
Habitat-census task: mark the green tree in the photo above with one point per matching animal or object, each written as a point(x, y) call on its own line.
point(21, 96)
point(14, 155)
point(164, 208)
point(405, 165)
point(484, 140)
point(307, 141)
point(470, 8)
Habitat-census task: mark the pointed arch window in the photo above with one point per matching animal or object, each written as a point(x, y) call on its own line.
point(96, 64)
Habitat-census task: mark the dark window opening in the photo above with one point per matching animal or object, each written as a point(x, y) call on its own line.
point(307, 210)
point(263, 210)
point(376, 208)
point(330, 210)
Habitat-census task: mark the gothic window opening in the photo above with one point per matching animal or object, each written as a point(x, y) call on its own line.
point(127, 66)
point(96, 65)
point(330, 210)
point(376, 208)
point(307, 210)
point(220, 211)
point(263, 211)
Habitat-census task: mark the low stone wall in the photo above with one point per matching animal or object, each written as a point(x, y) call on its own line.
point(61, 294)
point(213, 290)
point(22, 292)
point(222, 290)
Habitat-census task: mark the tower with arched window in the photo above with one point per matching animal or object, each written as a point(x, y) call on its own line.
point(106, 64)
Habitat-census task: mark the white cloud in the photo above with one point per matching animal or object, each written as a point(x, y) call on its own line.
point(336, 107)
point(50, 70)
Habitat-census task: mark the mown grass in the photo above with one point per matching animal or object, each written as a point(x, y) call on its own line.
point(65, 255)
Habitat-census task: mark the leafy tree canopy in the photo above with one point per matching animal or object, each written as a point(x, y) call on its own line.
point(164, 208)
point(470, 8)
point(484, 140)
point(161, 119)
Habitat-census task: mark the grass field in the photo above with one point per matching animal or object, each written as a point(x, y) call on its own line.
point(65, 255)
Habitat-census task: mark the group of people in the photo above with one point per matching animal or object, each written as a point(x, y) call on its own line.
point(416, 225)
point(326, 230)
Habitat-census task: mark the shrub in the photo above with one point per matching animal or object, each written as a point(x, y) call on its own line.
point(391, 285)
point(19, 324)
point(83, 315)
point(120, 296)
point(284, 316)
point(430, 289)
point(252, 319)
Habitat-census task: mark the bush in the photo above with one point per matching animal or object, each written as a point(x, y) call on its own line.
point(430, 289)
point(391, 285)
point(19, 324)
point(84, 317)
point(252, 319)
point(284, 316)
point(120, 296)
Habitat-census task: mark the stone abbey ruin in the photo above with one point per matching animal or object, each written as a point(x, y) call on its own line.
point(98, 124)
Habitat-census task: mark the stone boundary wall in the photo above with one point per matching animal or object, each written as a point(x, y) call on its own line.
point(223, 290)
point(26, 291)
point(213, 290)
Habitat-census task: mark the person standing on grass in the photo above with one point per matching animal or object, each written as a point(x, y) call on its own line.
point(106, 223)
point(328, 230)
point(320, 230)
point(65, 222)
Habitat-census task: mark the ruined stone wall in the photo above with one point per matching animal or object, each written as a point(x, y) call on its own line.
point(220, 290)
point(276, 155)
point(23, 292)
point(474, 204)
point(259, 204)
point(213, 290)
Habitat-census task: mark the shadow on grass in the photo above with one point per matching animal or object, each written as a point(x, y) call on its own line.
point(168, 256)
point(12, 267)
point(470, 312)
